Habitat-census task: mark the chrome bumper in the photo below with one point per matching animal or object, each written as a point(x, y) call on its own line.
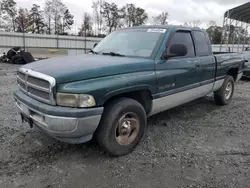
point(67, 129)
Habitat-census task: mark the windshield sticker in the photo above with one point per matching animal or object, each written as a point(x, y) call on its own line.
point(157, 30)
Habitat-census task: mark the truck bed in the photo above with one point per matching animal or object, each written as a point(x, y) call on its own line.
point(228, 60)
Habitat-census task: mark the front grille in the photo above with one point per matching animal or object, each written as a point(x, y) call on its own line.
point(39, 82)
point(39, 93)
point(36, 85)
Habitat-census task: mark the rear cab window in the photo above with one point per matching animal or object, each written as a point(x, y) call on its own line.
point(202, 45)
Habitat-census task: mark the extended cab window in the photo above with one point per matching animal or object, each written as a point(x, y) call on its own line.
point(201, 44)
point(182, 37)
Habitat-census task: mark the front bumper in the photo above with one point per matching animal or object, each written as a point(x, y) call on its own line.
point(71, 125)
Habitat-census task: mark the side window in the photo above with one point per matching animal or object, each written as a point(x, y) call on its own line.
point(185, 38)
point(201, 44)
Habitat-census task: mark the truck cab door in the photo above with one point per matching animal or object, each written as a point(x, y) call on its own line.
point(179, 74)
point(204, 52)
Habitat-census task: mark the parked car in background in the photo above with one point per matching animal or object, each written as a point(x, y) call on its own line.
point(130, 75)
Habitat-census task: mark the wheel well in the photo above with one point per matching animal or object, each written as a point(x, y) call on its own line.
point(233, 72)
point(144, 97)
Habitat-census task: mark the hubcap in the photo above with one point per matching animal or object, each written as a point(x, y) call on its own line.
point(127, 128)
point(229, 90)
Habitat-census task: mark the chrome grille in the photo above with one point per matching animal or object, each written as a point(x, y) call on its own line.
point(36, 85)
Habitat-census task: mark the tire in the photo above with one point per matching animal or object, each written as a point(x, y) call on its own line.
point(223, 96)
point(111, 135)
point(17, 59)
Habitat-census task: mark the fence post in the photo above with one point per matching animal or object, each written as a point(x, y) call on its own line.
point(57, 41)
point(85, 42)
point(24, 45)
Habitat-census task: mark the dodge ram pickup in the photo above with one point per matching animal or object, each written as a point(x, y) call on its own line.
point(130, 75)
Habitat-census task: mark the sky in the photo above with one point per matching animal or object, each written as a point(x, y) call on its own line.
point(179, 10)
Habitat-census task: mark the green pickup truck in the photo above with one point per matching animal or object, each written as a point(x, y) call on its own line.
point(129, 76)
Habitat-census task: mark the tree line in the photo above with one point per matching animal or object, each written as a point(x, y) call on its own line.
point(108, 17)
point(55, 18)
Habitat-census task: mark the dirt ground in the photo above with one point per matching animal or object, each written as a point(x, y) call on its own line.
point(196, 145)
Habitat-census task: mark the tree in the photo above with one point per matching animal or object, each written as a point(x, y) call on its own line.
point(36, 19)
point(48, 15)
point(133, 16)
point(86, 27)
point(161, 19)
point(9, 8)
point(211, 23)
point(193, 23)
point(112, 16)
point(22, 20)
point(97, 6)
point(1, 17)
point(68, 21)
point(129, 12)
point(140, 17)
point(57, 12)
point(215, 33)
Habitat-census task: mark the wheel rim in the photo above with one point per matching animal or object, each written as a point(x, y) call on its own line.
point(127, 128)
point(229, 90)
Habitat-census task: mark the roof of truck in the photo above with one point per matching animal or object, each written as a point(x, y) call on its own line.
point(239, 13)
point(162, 27)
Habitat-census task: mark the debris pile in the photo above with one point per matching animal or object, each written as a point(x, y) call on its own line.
point(17, 55)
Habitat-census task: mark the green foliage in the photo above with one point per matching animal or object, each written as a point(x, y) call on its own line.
point(9, 9)
point(36, 20)
point(161, 19)
point(86, 27)
point(215, 33)
point(112, 15)
point(133, 16)
point(57, 17)
point(22, 20)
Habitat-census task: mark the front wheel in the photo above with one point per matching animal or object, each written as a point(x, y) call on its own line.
point(224, 95)
point(122, 126)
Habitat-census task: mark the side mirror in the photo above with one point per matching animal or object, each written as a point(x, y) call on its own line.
point(95, 45)
point(176, 50)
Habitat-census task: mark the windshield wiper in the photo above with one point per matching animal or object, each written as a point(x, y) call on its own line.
point(92, 51)
point(113, 54)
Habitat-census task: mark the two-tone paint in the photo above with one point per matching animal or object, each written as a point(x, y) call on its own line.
point(170, 82)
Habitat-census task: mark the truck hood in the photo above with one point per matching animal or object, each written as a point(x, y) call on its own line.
point(74, 68)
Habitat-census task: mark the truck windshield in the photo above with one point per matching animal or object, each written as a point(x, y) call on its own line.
point(134, 43)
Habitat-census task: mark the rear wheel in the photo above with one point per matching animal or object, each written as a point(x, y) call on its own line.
point(224, 95)
point(122, 126)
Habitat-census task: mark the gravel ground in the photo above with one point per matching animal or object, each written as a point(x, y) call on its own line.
point(196, 145)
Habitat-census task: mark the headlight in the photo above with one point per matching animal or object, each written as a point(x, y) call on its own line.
point(75, 100)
